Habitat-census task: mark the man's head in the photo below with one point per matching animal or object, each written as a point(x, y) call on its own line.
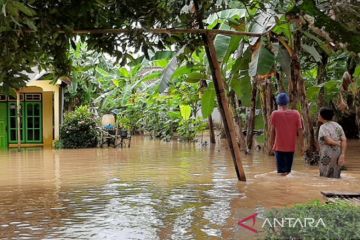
point(282, 99)
point(326, 114)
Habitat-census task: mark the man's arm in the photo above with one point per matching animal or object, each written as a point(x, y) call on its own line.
point(272, 136)
point(329, 141)
point(300, 134)
point(272, 130)
point(341, 160)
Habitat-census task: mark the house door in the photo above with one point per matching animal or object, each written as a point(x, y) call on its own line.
point(3, 126)
point(33, 122)
point(12, 128)
point(30, 122)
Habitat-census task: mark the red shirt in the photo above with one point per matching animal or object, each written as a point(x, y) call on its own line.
point(286, 124)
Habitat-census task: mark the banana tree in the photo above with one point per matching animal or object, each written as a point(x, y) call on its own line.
point(84, 84)
point(121, 84)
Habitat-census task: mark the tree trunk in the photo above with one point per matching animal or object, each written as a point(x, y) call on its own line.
point(251, 120)
point(295, 75)
point(267, 108)
point(203, 85)
point(211, 129)
point(235, 106)
point(321, 78)
point(311, 154)
point(280, 80)
point(357, 114)
point(219, 84)
point(351, 66)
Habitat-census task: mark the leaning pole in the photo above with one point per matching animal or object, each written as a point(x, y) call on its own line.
point(219, 84)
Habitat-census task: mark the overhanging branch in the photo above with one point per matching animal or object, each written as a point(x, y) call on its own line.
point(169, 31)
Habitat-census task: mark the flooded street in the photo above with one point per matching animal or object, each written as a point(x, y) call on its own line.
point(153, 190)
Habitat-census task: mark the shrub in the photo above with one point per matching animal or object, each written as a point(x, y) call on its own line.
point(189, 128)
point(58, 144)
point(79, 129)
point(341, 220)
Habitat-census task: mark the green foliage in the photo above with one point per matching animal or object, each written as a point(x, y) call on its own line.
point(79, 129)
point(185, 111)
point(188, 129)
point(341, 221)
point(59, 144)
point(208, 101)
point(284, 60)
point(226, 16)
point(169, 71)
point(87, 69)
point(41, 33)
point(242, 88)
point(312, 51)
point(159, 118)
point(336, 30)
point(262, 61)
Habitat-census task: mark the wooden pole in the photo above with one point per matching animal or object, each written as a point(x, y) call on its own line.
point(219, 84)
point(211, 129)
point(251, 119)
point(18, 120)
point(226, 113)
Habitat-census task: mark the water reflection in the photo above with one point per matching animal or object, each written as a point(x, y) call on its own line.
point(154, 190)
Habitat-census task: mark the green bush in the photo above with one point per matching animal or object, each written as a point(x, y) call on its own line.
point(189, 128)
point(79, 129)
point(58, 144)
point(341, 220)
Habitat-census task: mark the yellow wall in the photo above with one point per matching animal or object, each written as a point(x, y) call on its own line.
point(51, 114)
point(31, 90)
point(48, 119)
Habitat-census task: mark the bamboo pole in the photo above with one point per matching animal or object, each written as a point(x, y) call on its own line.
point(18, 120)
point(226, 113)
point(219, 84)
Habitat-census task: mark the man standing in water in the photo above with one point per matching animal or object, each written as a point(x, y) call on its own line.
point(286, 127)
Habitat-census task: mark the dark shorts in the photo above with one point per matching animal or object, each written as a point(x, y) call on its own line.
point(284, 161)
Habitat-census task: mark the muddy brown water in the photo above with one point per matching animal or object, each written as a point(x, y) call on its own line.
point(153, 190)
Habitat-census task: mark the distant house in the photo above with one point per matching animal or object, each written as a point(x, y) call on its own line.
point(41, 114)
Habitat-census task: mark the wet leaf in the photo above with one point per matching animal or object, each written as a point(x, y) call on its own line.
point(208, 101)
point(195, 77)
point(312, 51)
point(185, 111)
point(262, 61)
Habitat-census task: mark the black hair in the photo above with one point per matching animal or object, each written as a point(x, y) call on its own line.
point(326, 113)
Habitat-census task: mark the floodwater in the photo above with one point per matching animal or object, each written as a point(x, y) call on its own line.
point(153, 190)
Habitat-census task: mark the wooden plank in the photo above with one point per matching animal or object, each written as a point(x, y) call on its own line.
point(341, 194)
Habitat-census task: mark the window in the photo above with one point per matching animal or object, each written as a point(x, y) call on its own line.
point(33, 97)
point(30, 119)
point(13, 99)
point(33, 122)
point(3, 98)
point(13, 123)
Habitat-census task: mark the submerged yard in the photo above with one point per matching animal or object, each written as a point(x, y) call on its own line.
point(153, 190)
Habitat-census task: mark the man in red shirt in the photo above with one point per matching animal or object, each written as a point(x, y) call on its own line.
point(286, 127)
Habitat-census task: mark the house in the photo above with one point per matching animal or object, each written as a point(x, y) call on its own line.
point(40, 118)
